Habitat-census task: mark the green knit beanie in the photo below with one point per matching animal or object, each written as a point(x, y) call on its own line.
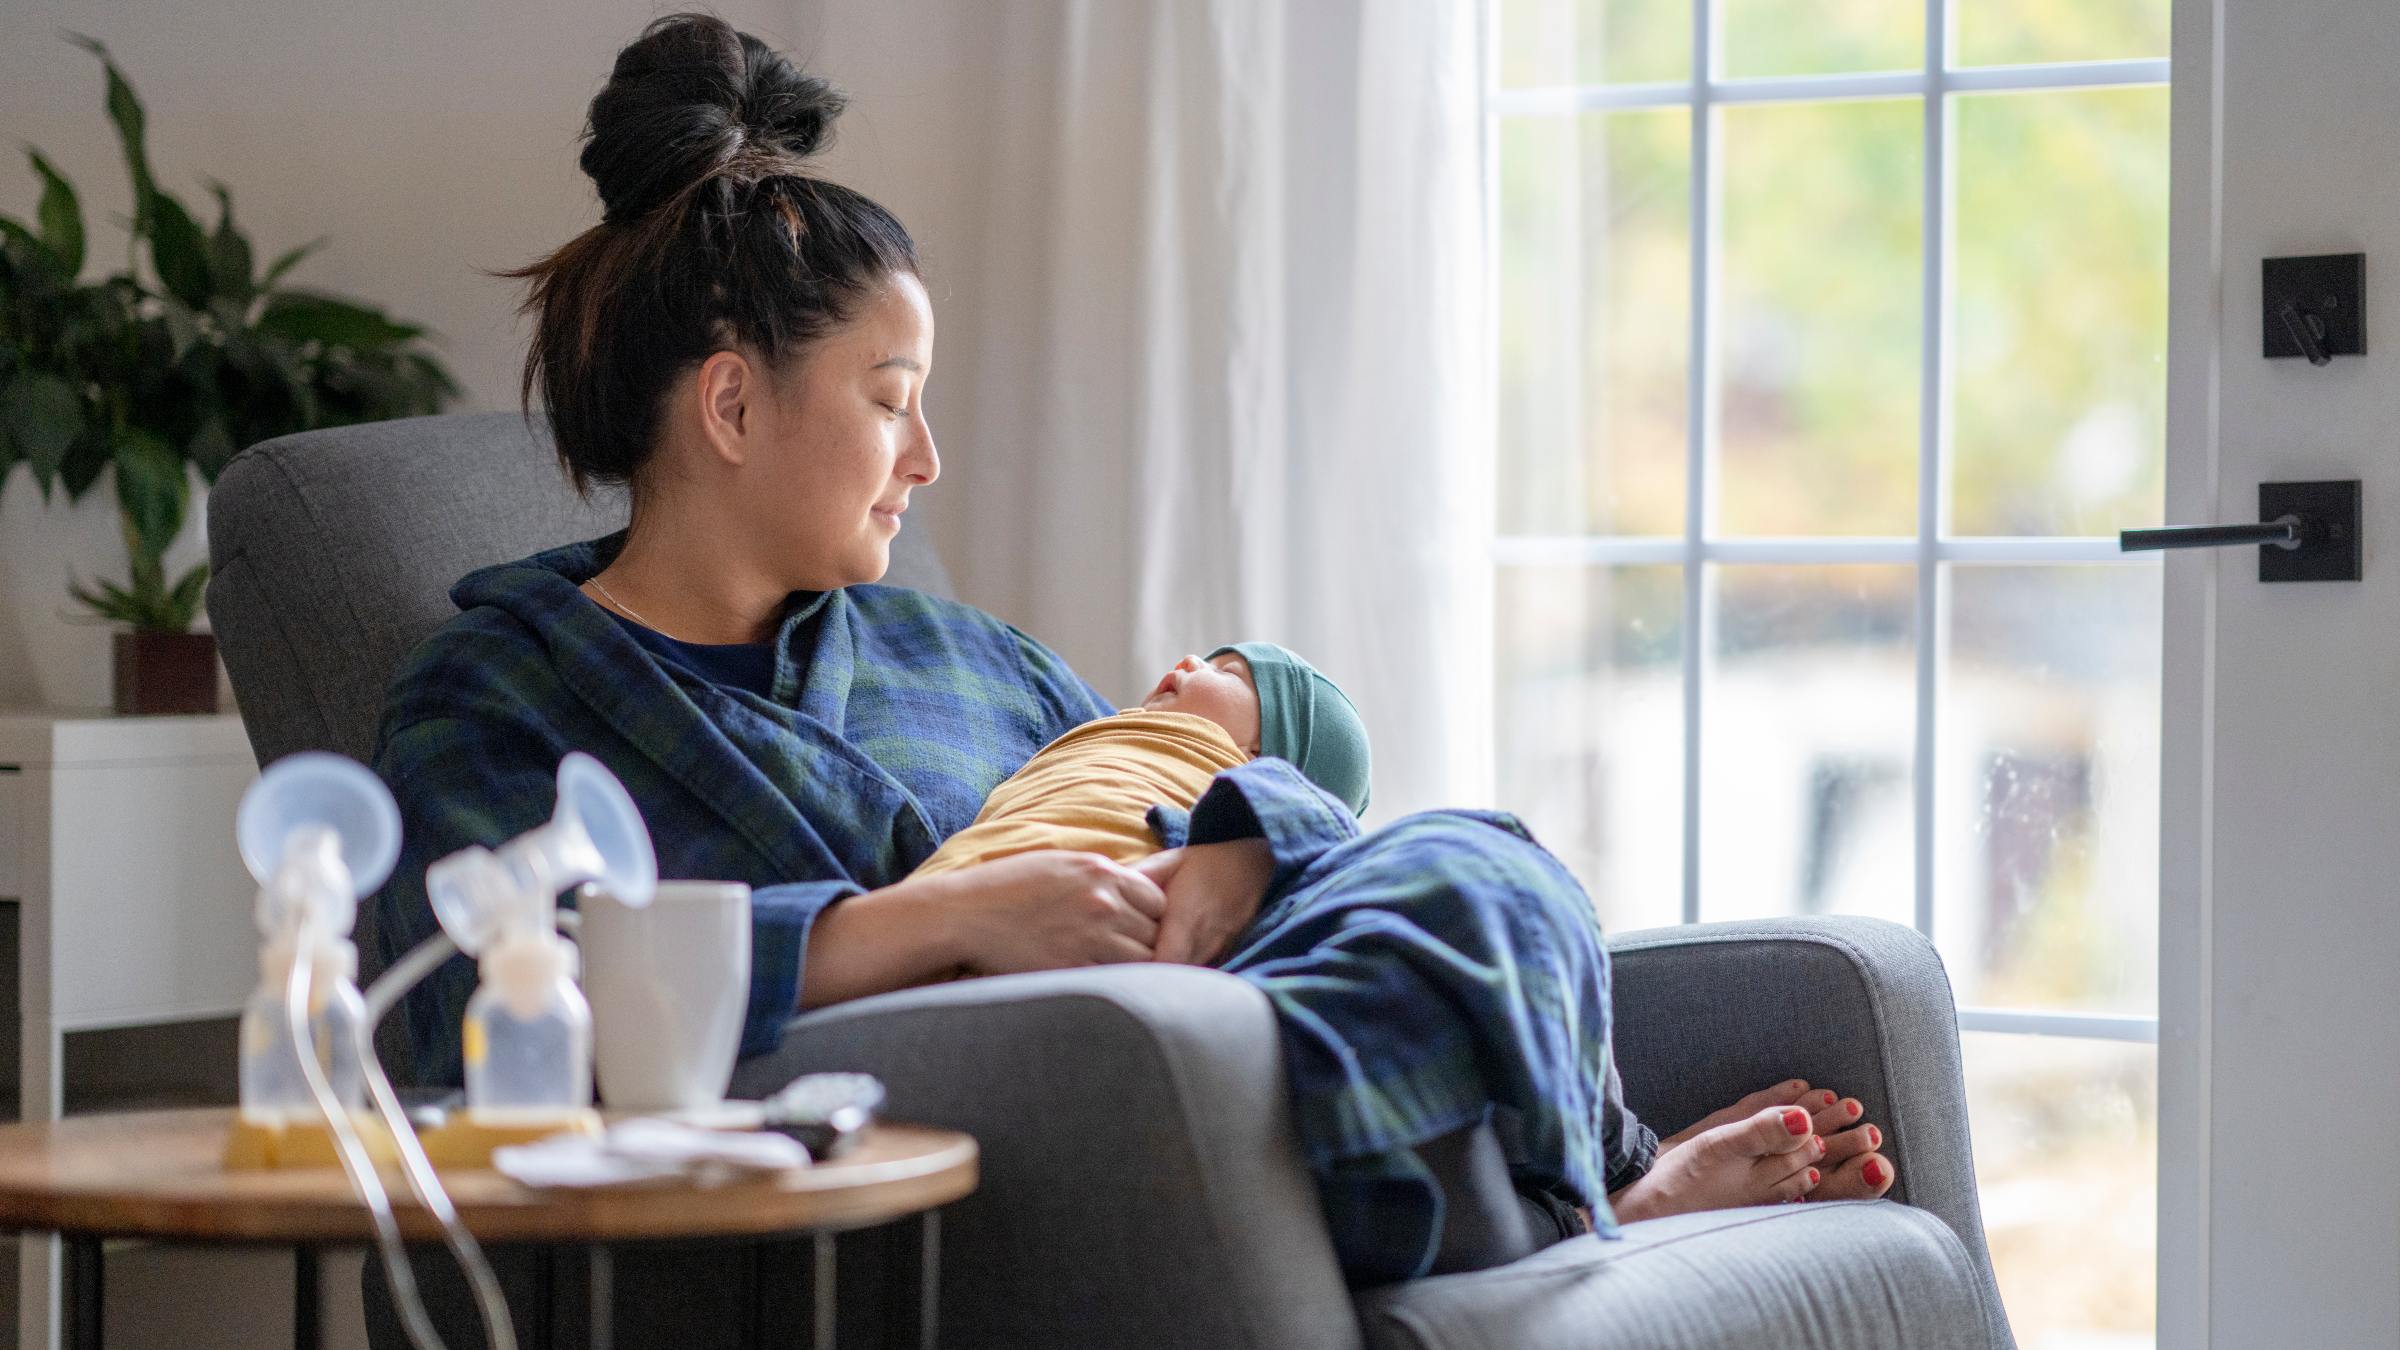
point(1307, 719)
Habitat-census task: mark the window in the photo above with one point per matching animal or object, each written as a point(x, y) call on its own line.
point(1829, 365)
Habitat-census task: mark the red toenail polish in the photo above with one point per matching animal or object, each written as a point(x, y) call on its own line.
point(1855, 1108)
point(1874, 1172)
point(1796, 1121)
point(1829, 1099)
point(1874, 1137)
point(1812, 1176)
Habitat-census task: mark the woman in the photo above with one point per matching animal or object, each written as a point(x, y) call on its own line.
point(748, 347)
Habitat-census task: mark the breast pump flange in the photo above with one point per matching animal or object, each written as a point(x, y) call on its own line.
point(527, 1034)
point(318, 832)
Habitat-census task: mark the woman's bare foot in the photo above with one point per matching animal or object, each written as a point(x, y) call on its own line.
point(1852, 1168)
point(1766, 1158)
point(1838, 1120)
point(1794, 1092)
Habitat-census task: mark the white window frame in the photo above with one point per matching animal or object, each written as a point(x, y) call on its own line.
point(1932, 545)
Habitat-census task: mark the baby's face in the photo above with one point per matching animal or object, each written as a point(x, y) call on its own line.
point(1218, 690)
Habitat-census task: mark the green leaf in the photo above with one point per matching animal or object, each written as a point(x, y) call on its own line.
point(211, 447)
point(307, 316)
point(431, 382)
point(283, 361)
point(229, 258)
point(125, 109)
point(179, 251)
point(183, 601)
point(44, 417)
point(31, 257)
point(151, 492)
point(287, 262)
point(61, 215)
point(183, 325)
point(110, 601)
point(85, 459)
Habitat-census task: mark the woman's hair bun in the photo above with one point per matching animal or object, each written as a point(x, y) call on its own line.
point(693, 97)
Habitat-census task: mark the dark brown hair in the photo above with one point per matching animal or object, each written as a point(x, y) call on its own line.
point(712, 235)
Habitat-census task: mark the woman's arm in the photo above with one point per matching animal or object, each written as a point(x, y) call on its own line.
point(1034, 911)
point(895, 938)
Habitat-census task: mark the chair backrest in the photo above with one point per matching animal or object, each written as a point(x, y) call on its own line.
point(332, 554)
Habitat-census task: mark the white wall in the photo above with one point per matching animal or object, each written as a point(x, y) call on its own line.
point(923, 78)
point(2294, 925)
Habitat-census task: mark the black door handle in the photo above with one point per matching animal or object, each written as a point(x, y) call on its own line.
point(2307, 532)
point(2280, 533)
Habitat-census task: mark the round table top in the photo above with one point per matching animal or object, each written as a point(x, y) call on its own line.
point(161, 1174)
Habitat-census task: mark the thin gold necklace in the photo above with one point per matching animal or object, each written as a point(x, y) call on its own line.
point(630, 611)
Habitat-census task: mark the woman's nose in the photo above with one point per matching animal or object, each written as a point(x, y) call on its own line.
point(920, 463)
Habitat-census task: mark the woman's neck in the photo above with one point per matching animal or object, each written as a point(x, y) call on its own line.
point(690, 582)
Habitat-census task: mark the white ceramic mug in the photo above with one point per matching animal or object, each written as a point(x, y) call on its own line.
point(669, 984)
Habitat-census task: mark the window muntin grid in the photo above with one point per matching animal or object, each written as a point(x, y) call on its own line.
point(1701, 547)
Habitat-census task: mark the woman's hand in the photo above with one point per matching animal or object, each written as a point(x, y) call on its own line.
point(1052, 909)
point(1213, 892)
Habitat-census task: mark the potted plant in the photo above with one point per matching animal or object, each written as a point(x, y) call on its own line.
point(182, 362)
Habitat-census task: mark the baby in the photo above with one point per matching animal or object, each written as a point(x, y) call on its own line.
point(1091, 790)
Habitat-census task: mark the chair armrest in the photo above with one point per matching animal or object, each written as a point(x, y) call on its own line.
point(1709, 1013)
point(1141, 1181)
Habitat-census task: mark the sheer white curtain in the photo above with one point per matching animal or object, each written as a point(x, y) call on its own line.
point(1231, 365)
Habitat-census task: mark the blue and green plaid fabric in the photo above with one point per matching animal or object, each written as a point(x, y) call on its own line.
point(1440, 972)
point(894, 714)
point(1437, 972)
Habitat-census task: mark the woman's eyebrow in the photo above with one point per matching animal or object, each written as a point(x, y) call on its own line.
point(908, 363)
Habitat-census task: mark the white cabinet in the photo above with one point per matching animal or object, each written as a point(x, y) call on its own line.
point(116, 843)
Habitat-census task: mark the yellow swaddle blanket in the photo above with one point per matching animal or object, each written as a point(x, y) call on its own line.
point(1091, 790)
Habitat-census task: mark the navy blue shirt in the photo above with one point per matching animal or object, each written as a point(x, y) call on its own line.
point(737, 665)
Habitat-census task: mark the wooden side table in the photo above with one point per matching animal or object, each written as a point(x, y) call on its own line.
point(159, 1174)
point(133, 907)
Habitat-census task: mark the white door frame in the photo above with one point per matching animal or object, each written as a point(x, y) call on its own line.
point(2195, 271)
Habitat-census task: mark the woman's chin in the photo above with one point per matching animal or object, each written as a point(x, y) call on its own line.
point(870, 565)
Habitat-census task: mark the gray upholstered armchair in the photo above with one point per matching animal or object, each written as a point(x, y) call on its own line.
point(1141, 1183)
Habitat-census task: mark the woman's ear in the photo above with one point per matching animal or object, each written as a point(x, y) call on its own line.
point(729, 391)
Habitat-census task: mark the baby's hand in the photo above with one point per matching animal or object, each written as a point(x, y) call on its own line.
point(1161, 866)
point(1213, 892)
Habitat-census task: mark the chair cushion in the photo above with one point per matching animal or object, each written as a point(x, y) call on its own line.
point(1837, 1276)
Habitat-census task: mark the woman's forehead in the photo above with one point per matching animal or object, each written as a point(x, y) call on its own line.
point(897, 320)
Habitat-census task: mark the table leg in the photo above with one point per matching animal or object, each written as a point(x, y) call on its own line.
point(41, 1097)
point(307, 1325)
point(604, 1297)
point(821, 1307)
point(929, 1283)
point(84, 1304)
point(911, 1310)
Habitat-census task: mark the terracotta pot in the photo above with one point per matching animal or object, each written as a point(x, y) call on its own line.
point(166, 672)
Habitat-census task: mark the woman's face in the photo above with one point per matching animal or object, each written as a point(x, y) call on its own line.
point(842, 441)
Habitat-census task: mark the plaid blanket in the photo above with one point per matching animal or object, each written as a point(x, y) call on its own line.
point(1436, 972)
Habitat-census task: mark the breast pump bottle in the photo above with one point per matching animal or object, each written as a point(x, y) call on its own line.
point(527, 1039)
point(318, 832)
